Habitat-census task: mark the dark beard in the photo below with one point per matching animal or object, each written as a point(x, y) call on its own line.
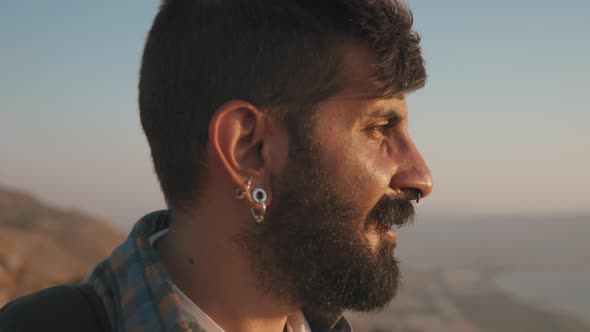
point(311, 248)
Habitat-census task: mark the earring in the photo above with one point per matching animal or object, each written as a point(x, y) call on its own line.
point(241, 194)
point(259, 196)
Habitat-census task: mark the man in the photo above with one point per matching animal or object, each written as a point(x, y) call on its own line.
point(278, 131)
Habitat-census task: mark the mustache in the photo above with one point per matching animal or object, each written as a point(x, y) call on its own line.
point(389, 212)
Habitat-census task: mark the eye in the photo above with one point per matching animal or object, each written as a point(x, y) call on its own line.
point(382, 127)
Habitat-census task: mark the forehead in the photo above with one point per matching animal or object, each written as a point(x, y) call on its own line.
point(359, 96)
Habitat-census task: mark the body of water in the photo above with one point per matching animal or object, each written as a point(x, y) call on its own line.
point(565, 290)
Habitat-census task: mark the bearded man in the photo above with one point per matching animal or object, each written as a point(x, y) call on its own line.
point(278, 131)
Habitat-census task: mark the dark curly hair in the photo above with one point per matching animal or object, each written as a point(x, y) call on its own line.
point(283, 56)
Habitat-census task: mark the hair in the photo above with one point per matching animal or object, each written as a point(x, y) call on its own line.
point(283, 56)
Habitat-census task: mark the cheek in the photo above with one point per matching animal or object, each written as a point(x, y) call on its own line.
point(376, 166)
point(361, 170)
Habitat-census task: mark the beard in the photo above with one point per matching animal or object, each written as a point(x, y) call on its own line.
point(312, 249)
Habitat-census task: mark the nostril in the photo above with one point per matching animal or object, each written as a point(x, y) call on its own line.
point(412, 194)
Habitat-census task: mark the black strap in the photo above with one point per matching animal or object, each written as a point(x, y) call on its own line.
point(60, 308)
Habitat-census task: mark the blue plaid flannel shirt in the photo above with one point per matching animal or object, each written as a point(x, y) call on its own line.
point(137, 291)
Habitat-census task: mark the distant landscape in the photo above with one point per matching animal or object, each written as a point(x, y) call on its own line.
point(451, 267)
point(41, 246)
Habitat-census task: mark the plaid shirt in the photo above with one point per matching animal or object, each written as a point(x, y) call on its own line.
point(138, 292)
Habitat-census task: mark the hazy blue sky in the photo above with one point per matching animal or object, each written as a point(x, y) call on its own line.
point(503, 121)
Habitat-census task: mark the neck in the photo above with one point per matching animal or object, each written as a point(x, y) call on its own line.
point(205, 261)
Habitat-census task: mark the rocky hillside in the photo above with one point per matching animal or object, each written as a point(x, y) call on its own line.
point(41, 246)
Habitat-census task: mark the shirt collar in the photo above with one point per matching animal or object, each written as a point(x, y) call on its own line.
point(296, 322)
point(143, 293)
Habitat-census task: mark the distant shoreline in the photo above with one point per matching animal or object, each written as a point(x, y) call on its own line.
point(537, 287)
point(440, 299)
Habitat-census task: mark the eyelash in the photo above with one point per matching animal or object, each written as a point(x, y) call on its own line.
point(382, 128)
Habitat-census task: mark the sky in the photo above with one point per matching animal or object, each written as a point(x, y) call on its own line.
point(502, 122)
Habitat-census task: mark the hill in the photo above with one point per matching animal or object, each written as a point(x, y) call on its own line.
point(41, 245)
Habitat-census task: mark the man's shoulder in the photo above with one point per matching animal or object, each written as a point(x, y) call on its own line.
point(63, 308)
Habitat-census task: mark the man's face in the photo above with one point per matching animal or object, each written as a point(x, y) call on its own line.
point(326, 242)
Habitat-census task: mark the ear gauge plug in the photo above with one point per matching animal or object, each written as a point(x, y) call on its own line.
point(259, 196)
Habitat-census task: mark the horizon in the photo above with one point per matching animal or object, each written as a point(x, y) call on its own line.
point(445, 217)
point(501, 121)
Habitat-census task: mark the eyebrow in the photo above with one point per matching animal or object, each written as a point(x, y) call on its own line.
point(386, 112)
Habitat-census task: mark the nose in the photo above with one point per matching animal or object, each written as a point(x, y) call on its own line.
point(413, 176)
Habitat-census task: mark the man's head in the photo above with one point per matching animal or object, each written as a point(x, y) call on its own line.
point(306, 97)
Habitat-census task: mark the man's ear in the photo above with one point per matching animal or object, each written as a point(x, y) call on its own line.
point(236, 134)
